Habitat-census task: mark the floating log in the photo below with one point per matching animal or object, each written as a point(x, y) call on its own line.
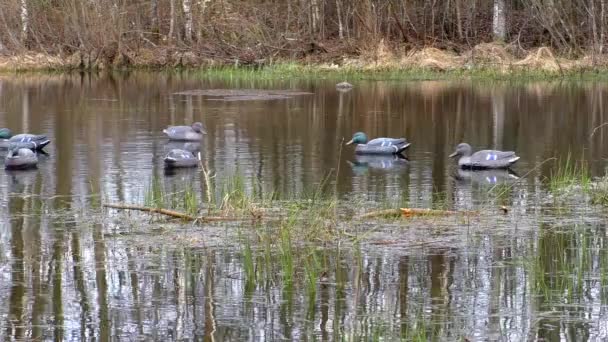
point(409, 212)
point(382, 213)
point(171, 213)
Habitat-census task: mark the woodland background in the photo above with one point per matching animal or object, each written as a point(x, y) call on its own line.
point(254, 31)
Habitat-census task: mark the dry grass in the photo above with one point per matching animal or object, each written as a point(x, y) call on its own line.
point(433, 59)
point(488, 56)
point(492, 55)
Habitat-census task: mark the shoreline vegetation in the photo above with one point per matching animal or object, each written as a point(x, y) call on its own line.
point(487, 60)
point(530, 37)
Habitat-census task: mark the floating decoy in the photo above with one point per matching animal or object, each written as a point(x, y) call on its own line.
point(384, 146)
point(186, 133)
point(19, 158)
point(180, 158)
point(344, 86)
point(32, 141)
point(5, 133)
point(485, 159)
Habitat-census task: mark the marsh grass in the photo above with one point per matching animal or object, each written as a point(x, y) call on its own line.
point(185, 200)
point(311, 270)
point(569, 174)
point(562, 265)
point(294, 70)
point(286, 256)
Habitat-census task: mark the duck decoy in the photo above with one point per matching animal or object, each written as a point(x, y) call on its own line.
point(32, 141)
point(484, 159)
point(19, 158)
point(5, 133)
point(180, 158)
point(344, 86)
point(185, 133)
point(384, 146)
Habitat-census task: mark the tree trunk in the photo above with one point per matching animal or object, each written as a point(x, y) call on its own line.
point(602, 24)
point(499, 25)
point(340, 26)
point(154, 18)
point(188, 14)
point(24, 20)
point(314, 16)
point(172, 19)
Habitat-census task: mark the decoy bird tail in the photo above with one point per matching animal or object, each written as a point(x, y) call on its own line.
point(403, 147)
point(513, 160)
point(41, 144)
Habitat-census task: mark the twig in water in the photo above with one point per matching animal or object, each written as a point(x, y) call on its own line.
point(171, 213)
point(522, 177)
point(596, 128)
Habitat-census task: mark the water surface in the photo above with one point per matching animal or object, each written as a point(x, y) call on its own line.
point(75, 278)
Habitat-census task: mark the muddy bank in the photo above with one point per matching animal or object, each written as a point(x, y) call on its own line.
point(500, 58)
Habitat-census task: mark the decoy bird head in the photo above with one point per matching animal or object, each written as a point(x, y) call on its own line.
point(13, 150)
point(5, 133)
point(463, 149)
point(358, 138)
point(198, 127)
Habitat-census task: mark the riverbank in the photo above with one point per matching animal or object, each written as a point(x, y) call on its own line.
point(493, 61)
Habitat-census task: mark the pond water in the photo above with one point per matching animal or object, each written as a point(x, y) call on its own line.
point(65, 275)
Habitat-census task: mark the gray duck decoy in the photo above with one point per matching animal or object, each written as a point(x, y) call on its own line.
point(185, 133)
point(180, 158)
point(32, 141)
point(384, 146)
point(484, 159)
point(344, 86)
point(19, 158)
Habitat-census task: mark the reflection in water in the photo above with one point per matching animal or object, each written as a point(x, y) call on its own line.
point(363, 163)
point(193, 147)
point(65, 275)
point(485, 177)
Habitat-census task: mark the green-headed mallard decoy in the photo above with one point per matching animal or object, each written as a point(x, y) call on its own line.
point(19, 158)
point(186, 133)
point(378, 145)
point(32, 141)
point(485, 159)
point(180, 159)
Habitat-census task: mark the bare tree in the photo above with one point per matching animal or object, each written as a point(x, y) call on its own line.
point(25, 20)
point(340, 26)
point(499, 25)
point(172, 19)
point(187, 5)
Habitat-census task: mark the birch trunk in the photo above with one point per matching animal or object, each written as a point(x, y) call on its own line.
point(602, 24)
point(314, 8)
point(340, 26)
point(25, 18)
point(187, 5)
point(499, 25)
point(172, 19)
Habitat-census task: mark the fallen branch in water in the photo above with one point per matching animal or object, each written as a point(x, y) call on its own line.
point(172, 213)
point(409, 212)
point(382, 213)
